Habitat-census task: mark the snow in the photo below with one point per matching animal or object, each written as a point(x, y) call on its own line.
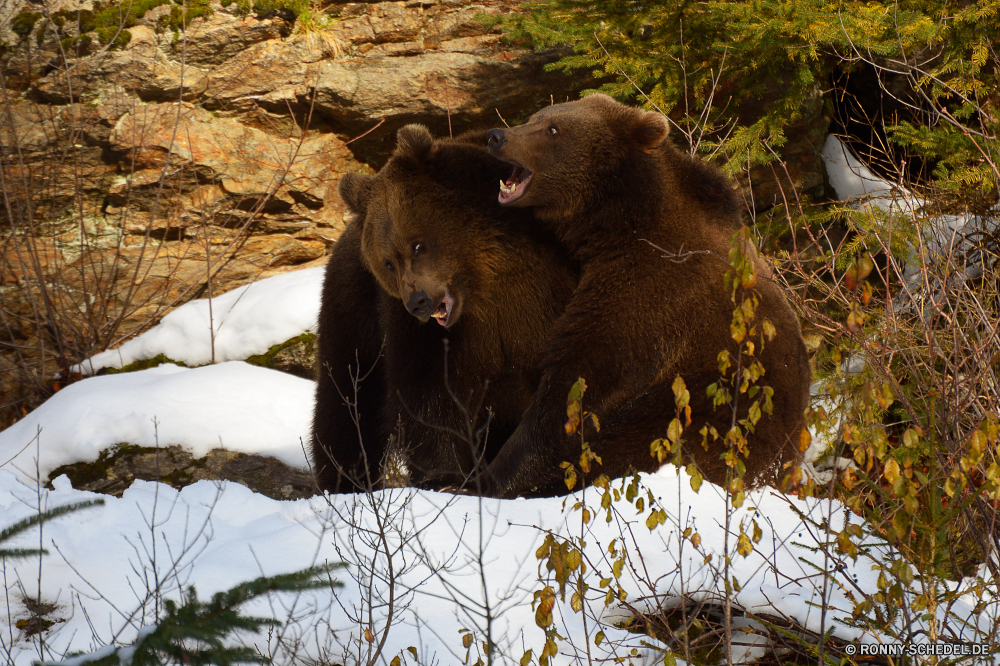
point(248, 320)
point(105, 561)
point(231, 405)
point(853, 181)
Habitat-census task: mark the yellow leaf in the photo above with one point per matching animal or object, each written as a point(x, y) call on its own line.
point(659, 450)
point(978, 441)
point(848, 478)
point(865, 266)
point(743, 545)
point(696, 477)
point(695, 539)
point(550, 649)
point(466, 640)
point(901, 525)
point(738, 331)
point(570, 479)
point(546, 601)
point(911, 438)
point(395, 661)
point(574, 406)
point(674, 430)
point(369, 636)
point(736, 485)
point(769, 330)
point(891, 472)
point(576, 602)
point(723, 360)
point(413, 651)
point(526, 658)
point(805, 440)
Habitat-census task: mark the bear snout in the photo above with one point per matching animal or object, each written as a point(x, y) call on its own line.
point(419, 304)
point(497, 139)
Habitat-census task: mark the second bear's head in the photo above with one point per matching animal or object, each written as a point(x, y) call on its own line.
point(569, 157)
point(429, 217)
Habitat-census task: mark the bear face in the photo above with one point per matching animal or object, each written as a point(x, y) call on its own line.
point(412, 259)
point(415, 255)
point(557, 158)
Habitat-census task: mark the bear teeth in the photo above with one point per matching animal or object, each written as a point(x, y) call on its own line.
point(507, 188)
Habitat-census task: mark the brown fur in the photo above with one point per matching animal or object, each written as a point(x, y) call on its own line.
point(427, 225)
point(611, 186)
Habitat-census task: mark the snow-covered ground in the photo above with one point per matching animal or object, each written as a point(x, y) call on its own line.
point(451, 557)
point(104, 561)
point(233, 405)
point(247, 320)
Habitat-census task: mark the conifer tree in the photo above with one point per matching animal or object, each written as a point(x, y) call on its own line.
point(688, 56)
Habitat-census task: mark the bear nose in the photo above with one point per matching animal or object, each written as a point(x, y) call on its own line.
point(497, 140)
point(419, 304)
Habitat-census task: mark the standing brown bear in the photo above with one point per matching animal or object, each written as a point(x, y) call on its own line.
point(651, 229)
point(459, 296)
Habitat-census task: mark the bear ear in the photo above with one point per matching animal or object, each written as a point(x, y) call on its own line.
point(413, 141)
point(649, 130)
point(354, 189)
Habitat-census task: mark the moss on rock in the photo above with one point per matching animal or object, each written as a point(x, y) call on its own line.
point(296, 356)
point(145, 364)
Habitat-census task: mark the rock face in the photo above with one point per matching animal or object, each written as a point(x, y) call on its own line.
point(230, 127)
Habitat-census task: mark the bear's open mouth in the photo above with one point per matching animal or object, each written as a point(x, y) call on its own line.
point(443, 311)
point(515, 186)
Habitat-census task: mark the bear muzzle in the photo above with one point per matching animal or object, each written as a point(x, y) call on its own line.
point(423, 307)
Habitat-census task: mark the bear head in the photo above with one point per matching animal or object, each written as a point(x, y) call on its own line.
point(421, 234)
point(565, 151)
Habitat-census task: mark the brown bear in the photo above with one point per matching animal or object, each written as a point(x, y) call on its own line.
point(651, 228)
point(458, 296)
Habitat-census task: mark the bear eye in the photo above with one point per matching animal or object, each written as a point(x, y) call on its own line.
point(553, 130)
point(418, 247)
point(391, 266)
